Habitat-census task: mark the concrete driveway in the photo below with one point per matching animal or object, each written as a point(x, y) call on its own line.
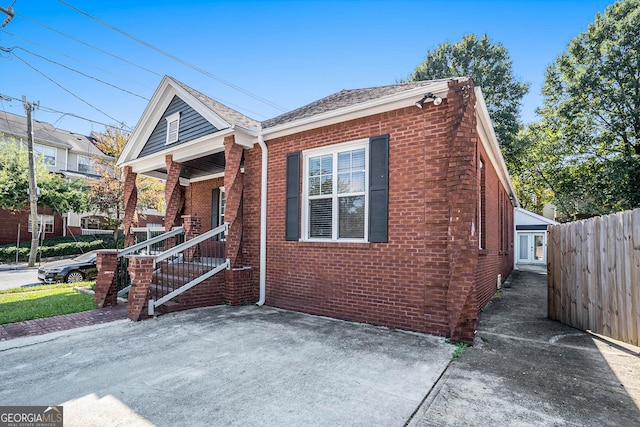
point(225, 366)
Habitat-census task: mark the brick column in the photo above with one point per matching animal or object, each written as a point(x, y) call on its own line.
point(130, 202)
point(192, 225)
point(173, 195)
point(233, 186)
point(106, 289)
point(462, 187)
point(141, 273)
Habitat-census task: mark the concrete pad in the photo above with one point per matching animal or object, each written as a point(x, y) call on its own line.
point(528, 370)
point(226, 366)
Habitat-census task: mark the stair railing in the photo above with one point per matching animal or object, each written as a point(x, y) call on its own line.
point(150, 246)
point(184, 266)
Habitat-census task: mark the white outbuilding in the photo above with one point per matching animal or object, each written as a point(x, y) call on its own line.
point(530, 237)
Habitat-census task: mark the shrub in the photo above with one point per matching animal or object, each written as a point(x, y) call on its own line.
point(60, 246)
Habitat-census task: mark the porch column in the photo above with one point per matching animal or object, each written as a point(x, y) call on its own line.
point(233, 186)
point(238, 279)
point(173, 195)
point(130, 201)
point(141, 273)
point(106, 291)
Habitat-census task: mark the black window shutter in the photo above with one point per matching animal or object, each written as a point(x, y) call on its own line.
point(292, 226)
point(378, 188)
point(215, 208)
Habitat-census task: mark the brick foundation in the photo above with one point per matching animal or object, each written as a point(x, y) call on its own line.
point(239, 286)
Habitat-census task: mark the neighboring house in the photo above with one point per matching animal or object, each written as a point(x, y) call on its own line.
point(389, 205)
point(531, 237)
point(67, 153)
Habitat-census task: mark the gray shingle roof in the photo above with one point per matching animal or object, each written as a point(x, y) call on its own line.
point(226, 113)
point(15, 125)
point(344, 98)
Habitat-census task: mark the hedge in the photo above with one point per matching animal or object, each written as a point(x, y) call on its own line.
point(60, 246)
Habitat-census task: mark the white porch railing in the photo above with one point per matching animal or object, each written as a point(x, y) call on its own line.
point(151, 245)
point(187, 265)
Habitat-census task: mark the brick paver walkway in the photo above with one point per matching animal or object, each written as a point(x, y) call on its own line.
point(62, 322)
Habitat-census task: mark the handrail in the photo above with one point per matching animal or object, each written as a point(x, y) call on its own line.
point(189, 243)
point(138, 246)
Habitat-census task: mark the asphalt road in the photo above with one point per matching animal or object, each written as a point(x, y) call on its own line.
point(19, 278)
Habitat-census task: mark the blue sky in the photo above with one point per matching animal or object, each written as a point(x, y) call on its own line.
point(287, 52)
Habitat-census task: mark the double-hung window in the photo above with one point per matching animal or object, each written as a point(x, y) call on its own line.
point(48, 153)
point(85, 165)
point(335, 188)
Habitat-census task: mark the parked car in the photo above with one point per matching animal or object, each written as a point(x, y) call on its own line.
point(78, 269)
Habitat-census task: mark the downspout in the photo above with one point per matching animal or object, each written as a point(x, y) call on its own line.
point(263, 221)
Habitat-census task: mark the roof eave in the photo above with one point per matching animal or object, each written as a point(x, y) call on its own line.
point(362, 109)
point(491, 145)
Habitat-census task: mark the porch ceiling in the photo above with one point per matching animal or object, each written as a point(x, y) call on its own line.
point(200, 167)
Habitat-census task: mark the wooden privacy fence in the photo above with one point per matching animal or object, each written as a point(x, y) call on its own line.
point(594, 275)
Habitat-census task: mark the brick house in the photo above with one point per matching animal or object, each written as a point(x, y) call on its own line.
point(389, 205)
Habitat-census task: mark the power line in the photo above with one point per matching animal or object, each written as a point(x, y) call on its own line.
point(67, 90)
point(54, 111)
point(74, 70)
point(175, 58)
point(75, 59)
point(89, 45)
point(129, 62)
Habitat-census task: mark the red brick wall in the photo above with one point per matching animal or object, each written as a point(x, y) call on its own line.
point(401, 283)
point(10, 221)
point(497, 257)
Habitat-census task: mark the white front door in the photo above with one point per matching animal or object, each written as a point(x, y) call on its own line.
point(532, 248)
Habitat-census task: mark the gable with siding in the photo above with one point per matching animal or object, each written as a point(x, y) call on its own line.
point(192, 126)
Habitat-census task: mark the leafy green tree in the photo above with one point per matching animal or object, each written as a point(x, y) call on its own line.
point(591, 114)
point(61, 194)
point(490, 67)
point(107, 192)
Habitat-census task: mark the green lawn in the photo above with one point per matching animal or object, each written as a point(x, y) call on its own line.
point(37, 302)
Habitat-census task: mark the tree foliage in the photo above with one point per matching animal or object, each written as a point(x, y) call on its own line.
point(591, 116)
point(107, 192)
point(490, 67)
point(56, 191)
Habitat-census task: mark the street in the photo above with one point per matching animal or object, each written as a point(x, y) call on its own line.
point(18, 278)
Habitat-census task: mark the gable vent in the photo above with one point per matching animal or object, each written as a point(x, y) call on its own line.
point(173, 126)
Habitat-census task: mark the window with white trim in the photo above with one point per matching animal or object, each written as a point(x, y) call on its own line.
point(45, 221)
point(85, 165)
point(173, 128)
point(335, 192)
point(48, 153)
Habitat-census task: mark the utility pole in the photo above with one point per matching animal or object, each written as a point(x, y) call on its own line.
point(9, 12)
point(33, 188)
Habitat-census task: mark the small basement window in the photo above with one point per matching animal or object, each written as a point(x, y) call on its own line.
point(173, 126)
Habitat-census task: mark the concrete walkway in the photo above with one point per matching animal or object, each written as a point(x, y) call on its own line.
point(527, 370)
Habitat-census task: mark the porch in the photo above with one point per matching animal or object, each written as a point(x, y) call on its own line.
point(196, 258)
